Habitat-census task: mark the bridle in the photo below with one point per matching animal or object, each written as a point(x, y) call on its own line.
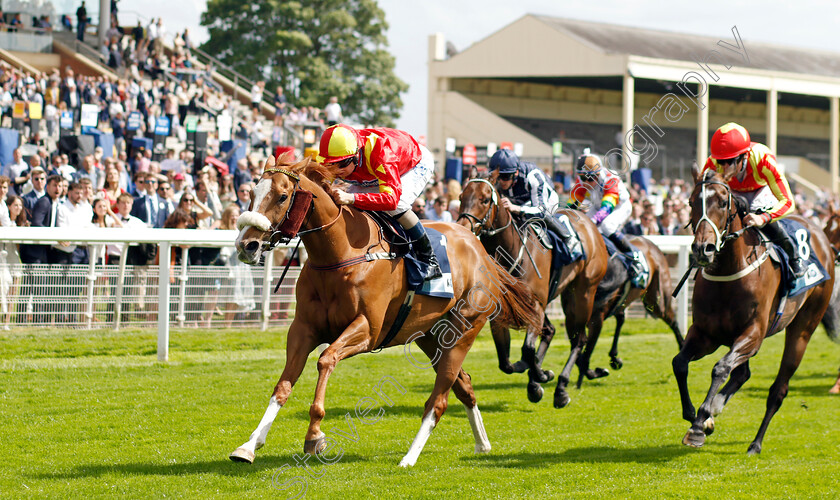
point(287, 229)
point(721, 237)
point(482, 223)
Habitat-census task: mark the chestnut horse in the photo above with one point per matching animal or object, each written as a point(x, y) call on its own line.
point(831, 319)
point(735, 303)
point(610, 300)
point(487, 218)
point(350, 302)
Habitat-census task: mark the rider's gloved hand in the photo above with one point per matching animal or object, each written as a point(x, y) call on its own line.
point(600, 215)
point(757, 220)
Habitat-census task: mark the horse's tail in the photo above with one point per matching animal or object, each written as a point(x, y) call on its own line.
point(518, 303)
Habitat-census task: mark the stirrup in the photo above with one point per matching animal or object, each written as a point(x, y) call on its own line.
point(798, 267)
point(433, 271)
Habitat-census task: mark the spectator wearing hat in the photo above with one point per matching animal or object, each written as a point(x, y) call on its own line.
point(178, 183)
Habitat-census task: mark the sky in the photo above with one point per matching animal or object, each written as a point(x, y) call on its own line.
point(804, 23)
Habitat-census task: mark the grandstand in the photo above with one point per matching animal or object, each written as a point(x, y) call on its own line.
point(93, 113)
point(544, 79)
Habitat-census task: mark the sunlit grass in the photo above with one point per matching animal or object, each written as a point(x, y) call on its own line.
point(94, 414)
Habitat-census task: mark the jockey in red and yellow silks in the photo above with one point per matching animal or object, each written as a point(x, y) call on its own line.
point(761, 170)
point(758, 179)
point(387, 170)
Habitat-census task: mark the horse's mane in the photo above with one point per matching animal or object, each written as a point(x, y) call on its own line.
point(322, 174)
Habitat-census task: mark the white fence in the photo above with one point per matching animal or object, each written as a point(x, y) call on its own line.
point(232, 294)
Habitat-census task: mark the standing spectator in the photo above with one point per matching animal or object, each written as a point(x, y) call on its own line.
point(111, 190)
point(77, 213)
point(152, 33)
point(36, 191)
point(81, 21)
point(227, 191)
point(5, 218)
point(161, 35)
point(165, 204)
point(439, 211)
point(244, 196)
point(257, 95)
point(125, 219)
point(650, 224)
point(18, 171)
point(333, 112)
point(10, 273)
point(279, 107)
point(242, 174)
point(89, 171)
point(419, 208)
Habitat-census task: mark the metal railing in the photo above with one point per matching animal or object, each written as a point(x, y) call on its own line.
point(231, 294)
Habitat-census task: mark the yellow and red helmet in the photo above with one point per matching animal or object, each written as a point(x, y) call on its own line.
point(339, 142)
point(730, 141)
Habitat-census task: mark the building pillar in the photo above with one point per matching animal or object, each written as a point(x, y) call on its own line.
point(627, 122)
point(104, 21)
point(772, 119)
point(703, 129)
point(835, 143)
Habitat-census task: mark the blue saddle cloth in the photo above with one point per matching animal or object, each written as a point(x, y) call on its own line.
point(561, 256)
point(441, 287)
point(415, 270)
point(816, 273)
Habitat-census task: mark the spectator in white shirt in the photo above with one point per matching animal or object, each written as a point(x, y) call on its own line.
point(333, 112)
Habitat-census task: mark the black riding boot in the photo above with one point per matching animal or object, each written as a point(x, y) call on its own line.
point(637, 268)
point(424, 251)
point(780, 237)
point(564, 233)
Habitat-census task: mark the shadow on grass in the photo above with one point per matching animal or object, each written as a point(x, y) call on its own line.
point(455, 407)
point(794, 391)
point(223, 467)
point(590, 454)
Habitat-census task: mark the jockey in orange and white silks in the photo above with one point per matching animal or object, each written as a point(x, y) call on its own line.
point(758, 179)
point(608, 205)
point(387, 170)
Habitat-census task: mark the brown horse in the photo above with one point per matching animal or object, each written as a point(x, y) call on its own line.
point(736, 300)
point(350, 302)
point(519, 250)
point(611, 300)
point(831, 319)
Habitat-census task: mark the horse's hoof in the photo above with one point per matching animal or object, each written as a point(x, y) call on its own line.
point(507, 369)
point(242, 455)
point(535, 392)
point(315, 446)
point(694, 439)
point(561, 399)
point(480, 449)
point(520, 367)
point(616, 363)
point(709, 426)
point(835, 389)
point(597, 373)
point(541, 376)
point(754, 449)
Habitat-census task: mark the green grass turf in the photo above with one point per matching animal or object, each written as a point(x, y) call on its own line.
point(92, 414)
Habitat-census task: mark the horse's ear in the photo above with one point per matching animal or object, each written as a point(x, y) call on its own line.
point(270, 162)
point(832, 207)
point(696, 172)
point(493, 176)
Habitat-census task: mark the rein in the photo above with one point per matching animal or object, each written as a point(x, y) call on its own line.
point(482, 223)
point(281, 234)
point(722, 238)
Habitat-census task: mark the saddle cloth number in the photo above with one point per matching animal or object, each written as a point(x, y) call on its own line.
point(802, 247)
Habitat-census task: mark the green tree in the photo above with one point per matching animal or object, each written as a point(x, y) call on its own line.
point(314, 49)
